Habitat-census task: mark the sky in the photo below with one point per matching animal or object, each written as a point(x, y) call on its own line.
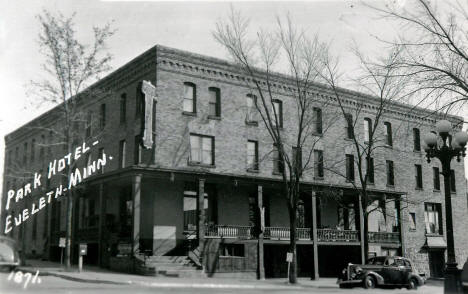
point(184, 25)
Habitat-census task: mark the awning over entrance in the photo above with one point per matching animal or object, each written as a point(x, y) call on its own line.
point(435, 242)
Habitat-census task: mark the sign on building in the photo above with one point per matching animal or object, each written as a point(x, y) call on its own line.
point(149, 92)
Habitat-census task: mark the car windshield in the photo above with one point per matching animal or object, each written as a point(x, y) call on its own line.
point(377, 260)
point(7, 253)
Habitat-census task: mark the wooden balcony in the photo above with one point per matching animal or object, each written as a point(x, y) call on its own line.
point(228, 231)
point(333, 235)
point(282, 233)
point(384, 237)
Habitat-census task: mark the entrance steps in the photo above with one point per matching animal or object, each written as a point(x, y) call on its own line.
point(170, 266)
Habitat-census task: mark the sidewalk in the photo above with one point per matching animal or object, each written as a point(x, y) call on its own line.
point(94, 274)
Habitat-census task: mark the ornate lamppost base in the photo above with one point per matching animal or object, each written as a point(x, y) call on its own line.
point(452, 283)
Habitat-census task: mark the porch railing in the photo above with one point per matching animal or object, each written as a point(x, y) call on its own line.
point(228, 231)
point(384, 237)
point(280, 233)
point(332, 235)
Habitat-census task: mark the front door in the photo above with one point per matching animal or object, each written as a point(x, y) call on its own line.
point(436, 263)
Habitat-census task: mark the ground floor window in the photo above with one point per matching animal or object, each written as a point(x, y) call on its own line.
point(236, 250)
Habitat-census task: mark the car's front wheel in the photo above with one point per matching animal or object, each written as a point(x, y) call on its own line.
point(412, 284)
point(369, 282)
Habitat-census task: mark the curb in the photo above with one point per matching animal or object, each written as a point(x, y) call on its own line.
point(175, 285)
point(74, 279)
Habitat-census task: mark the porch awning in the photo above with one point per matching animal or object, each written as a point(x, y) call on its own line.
point(435, 242)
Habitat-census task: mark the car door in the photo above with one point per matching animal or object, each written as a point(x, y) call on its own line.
point(401, 273)
point(390, 271)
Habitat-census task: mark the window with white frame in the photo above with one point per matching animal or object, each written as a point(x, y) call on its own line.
point(252, 155)
point(190, 97)
point(433, 218)
point(201, 149)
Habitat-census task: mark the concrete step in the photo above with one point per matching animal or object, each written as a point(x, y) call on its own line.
point(173, 259)
point(192, 273)
point(158, 266)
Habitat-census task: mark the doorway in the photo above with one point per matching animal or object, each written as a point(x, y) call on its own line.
point(437, 263)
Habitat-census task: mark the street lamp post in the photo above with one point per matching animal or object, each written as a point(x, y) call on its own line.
point(449, 149)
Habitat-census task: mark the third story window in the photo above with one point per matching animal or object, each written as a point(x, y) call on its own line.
point(251, 101)
point(252, 155)
point(123, 108)
point(349, 126)
point(278, 111)
point(416, 140)
point(388, 134)
point(317, 120)
point(297, 158)
point(367, 129)
point(215, 102)
point(202, 149)
point(190, 98)
point(102, 116)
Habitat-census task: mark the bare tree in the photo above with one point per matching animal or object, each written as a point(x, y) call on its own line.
point(433, 50)
point(256, 58)
point(69, 67)
point(383, 85)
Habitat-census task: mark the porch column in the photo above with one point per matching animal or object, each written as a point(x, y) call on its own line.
point(201, 217)
point(261, 263)
point(314, 235)
point(136, 196)
point(361, 230)
point(401, 226)
point(102, 223)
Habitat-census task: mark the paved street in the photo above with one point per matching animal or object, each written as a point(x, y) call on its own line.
point(56, 285)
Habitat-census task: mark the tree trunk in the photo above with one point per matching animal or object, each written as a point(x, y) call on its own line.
point(292, 245)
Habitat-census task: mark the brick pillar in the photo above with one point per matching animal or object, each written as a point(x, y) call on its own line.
point(314, 235)
point(201, 217)
point(136, 196)
point(261, 263)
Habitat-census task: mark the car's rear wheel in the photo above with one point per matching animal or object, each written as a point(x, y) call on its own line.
point(369, 282)
point(412, 284)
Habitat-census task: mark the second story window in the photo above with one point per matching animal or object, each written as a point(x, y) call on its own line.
point(436, 178)
point(251, 101)
point(418, 176)
point(433, 218)
point(202, 149)
point(349, 167)
point(215, 102)
point(278, 164)
point(139, 103)
point(297, 158)
point(317, 120)
point(89, 122)
point(123, 108)
point(367, 129)
point(390, 173)
point(33, 150)
point(370, 170)
point(25, 152)
point(190, 98)
point(278, 111)
point(102, 116)
point(137, 150)
point(388, 133)
point(122, 153)
point(349, 126)
point(252, 155)
point(318, 164)
point(416, 140)
point(453, 187)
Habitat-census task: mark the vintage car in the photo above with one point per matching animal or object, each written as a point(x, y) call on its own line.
point(381, 271)
point(9, 255)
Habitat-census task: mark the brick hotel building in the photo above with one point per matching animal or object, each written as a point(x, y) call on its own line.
point(210, 167)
